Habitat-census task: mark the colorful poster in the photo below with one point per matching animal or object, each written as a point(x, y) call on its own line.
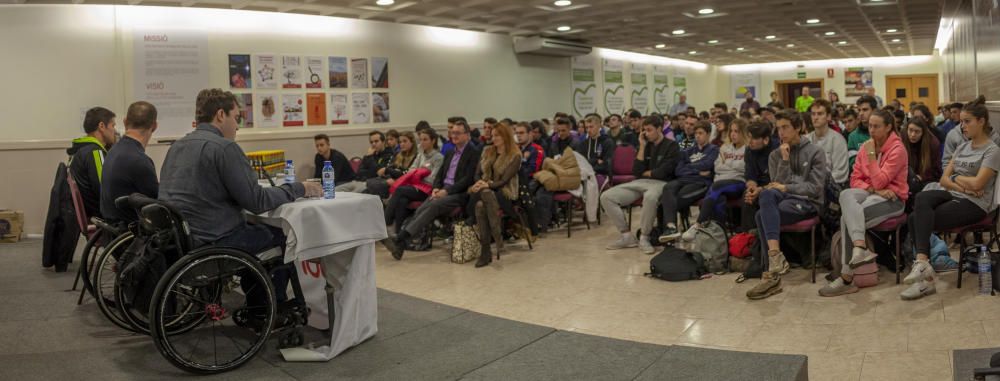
point(584, 89)
point(614, 89)
point(640, 88)
point(857, 81)
point(380, 107)
point(266, 73)
point(170, 68)
point(661, 89)
point(742, 83)
point(267, 108)
point(239, 71)
point(246, 109)
point(315, 66)
point(338, 72)
point(291, 106)
point(338, 108)
point(361, 108)
point(359, 73)
point(680, 87)
point(291, 72)
point(316, 109)
point(380, 72)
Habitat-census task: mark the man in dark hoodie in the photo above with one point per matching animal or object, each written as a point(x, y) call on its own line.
point(86, 162)
point(562, 138)
point(377, 157)
point(758, 151)
point(798, 172)
point(597, 148)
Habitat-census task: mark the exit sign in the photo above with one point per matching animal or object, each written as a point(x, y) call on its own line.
point(800, 75)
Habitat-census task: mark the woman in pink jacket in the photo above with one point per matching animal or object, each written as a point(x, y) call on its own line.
point(878, 192)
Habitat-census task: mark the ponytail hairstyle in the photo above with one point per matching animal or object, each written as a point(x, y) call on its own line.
point(977, 108)
point(887, 117)
point(920, 152)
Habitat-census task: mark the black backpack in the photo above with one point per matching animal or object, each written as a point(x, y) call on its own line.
point(675, 265)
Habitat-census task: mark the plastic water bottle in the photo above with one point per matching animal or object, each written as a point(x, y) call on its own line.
point(289, 172)
point(985, 272)
point(328, 183)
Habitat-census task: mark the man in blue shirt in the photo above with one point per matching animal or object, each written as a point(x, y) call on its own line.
point(127, 169)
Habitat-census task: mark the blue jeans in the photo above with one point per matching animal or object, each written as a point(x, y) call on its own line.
point(255, 239)
point(778, 208)
point(713, 205)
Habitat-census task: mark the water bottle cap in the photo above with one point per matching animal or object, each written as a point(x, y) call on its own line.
point(289, 161)
point(327, 162)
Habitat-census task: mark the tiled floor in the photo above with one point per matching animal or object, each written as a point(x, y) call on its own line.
point(574, 284)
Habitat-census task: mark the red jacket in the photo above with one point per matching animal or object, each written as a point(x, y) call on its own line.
point(888, 172)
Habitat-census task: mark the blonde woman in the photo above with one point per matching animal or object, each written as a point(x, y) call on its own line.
point(495, 189)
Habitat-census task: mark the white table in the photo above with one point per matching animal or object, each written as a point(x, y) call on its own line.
point(341, 233)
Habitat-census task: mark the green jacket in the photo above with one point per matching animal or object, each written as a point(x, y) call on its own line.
point(803, 102)
point(86, 163)
point(854, 141)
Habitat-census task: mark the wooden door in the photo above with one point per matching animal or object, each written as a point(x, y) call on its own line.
point(916, 88)
point(925, 89)
point(790, 90)
point(899, 88)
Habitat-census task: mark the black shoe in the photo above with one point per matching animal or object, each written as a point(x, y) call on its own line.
point(395, 247)
point(484, 260)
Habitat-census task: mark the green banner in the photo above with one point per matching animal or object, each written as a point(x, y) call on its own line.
point(680, 82)
point(583, 75)
point(638, 79)
point(613, 77)
point(660, 79)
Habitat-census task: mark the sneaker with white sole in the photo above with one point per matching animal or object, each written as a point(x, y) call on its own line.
point(918, 290)
point(837, 287)
point(623, 243)
point(921, 270)
point(646, 247)
point(861, 256)
point(770, 284)
point(669, 235)
point(690, 233)
point(777, 263)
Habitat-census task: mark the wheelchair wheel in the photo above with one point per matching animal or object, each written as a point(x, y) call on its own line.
point(104, 275)
point(215, 282)
point(182, 305)
point(88, 259)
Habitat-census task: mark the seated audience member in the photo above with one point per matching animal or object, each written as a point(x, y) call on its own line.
point(207, 178)
point(447, 145)
point(749, 103)
point(798, 172)
point(428, 159)
point(532, 156)
point(774, 103)
point(878, 192)
point(487, 137)
point(963, 197)
point(127, 169)
point(921, 111)
point(450, 191)
point(831, 142)
point(693, 176)
point(342, 171)
point(850, 122)
point(686, 139)
point(730, 178)
point(86, 161)
point(923, 155)
point(618, 133)
point(654, 165)
point(767, 114)
point(954, 114)
point(392, 140)
point(680, 107)
point(692, 111)
point(720, 129)
point(866, 104)
point(597, 148)
point(561, 139)
point(495, 190)
point(900, 117)
point(404, 159)
point(635, 122)
point(540, 136)
point(377, 157)
point(956, 137)
point(757, 174)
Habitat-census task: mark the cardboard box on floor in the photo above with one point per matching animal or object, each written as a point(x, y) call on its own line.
point(11, 225)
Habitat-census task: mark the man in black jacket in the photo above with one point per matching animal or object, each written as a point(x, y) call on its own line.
point(377, 157)
point(654, 165)
point(127, 168)
point(597, 148)
point(563, 138)
point(86, 162)
point(342, 171)
point(457, 174)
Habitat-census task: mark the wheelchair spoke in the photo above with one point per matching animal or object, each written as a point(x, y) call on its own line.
point(190, 297)
point(215, 346)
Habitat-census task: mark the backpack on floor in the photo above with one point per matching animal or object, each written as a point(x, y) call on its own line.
point(740, 245)
point(676, 265)
point(864, 276)
point(711, 242)
point(466, 246)
point(756, 265)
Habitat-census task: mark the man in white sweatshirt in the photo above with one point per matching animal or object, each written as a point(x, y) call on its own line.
point(832, 143)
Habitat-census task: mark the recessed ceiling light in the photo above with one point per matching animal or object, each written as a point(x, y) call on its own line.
point(706, 11)
point(385, 2)
point(739, 49)
point(677, 32)
point(769, 37)
point(563, 28)
point(563, 3)
point(693, 52)
point(812, 21)
point(830, 33)
point(895, 40)
point(891, 30)
point(713, 41)
point(661, 46)
point(842, 42)
point(790, 46)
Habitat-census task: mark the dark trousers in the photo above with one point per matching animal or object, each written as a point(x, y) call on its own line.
point(713, 206)
point(680, 194)
point(433, 209)
point(778, 208)
point(255, 239)
point(506, 205)
point(937, 210)
point(396, 211)
point(542, 212)
point(377, 186)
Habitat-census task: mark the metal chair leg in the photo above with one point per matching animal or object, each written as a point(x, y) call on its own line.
point(961, 257)
point(899, 264)
point(812, 247)
point(569, 217)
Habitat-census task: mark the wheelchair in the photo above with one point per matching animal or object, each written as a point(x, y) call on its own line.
point(209, 309)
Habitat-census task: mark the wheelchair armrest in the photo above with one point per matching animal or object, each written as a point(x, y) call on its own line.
point(114, 229)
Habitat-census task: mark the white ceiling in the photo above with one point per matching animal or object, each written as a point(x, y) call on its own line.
point(640, 25)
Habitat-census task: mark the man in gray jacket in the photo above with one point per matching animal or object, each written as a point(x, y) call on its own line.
point(798, 173)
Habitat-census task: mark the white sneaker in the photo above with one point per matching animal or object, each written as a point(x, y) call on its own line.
point(918, 290)
point(690, 233)
point(860, 256)
point(623, 243)
point(646, 247)
point(921, 270)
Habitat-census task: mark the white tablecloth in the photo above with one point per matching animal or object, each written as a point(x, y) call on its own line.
point(342, 232)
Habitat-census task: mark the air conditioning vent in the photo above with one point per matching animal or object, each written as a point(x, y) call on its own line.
point(550, 47)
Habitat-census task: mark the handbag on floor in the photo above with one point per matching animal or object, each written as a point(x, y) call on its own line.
point(466, 246)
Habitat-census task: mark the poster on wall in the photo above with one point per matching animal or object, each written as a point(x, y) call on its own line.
point(857, 81)
point(266, 71)
point(361, 108)
point(291, 72)
point(291, 107)
point(743, 83)
point(338, 72)
point(584, 89)
point(614, 90)
point(239, 71)
point(268, 110)
point(661, 89)
point(316, 109)
point(640, 88)
point(246, 109)
point(338, 109)
point(314, 79)
point(380, 72)
point(170, 67)
point(380, 107)
point(359, 73)
point(680, 87)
